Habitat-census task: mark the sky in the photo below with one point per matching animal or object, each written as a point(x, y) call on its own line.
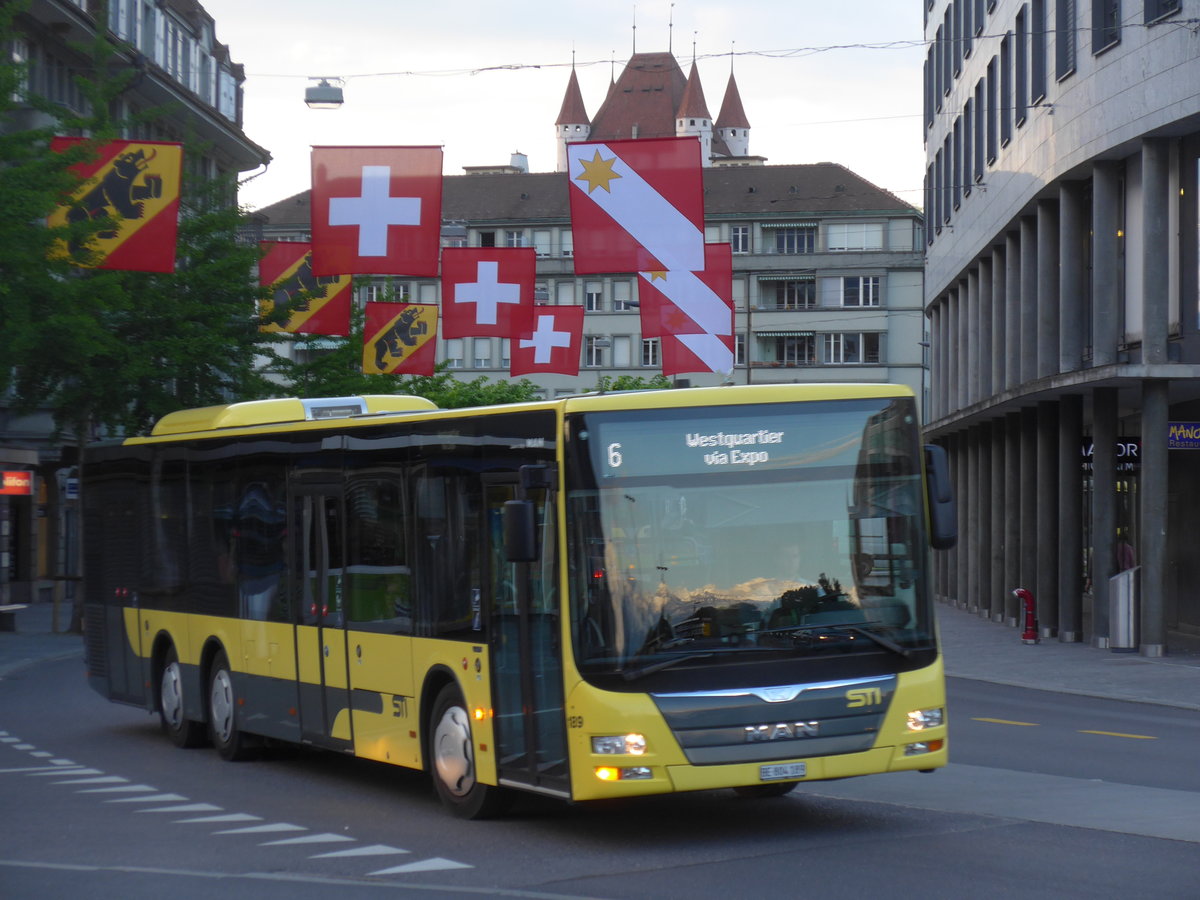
point(819, 81)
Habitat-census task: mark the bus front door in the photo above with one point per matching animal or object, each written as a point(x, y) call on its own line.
point(527, 679)
point(323, 683)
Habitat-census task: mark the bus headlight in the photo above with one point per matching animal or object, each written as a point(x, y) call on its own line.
point(621, 744)
point(922, 719)
point(626, 773)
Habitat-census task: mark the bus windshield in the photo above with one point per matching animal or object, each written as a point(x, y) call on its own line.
point(701, 536)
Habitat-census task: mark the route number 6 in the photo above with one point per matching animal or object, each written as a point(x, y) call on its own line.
point(614, 455)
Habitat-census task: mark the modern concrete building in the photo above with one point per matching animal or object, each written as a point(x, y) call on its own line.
point(1061, 287)
point(826, 266)
point(186, 74)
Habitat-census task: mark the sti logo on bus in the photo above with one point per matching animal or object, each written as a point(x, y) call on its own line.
point(781, 731)
point(860, 697)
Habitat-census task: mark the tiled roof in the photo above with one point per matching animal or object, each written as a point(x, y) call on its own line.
point(692, 105)
point(573, 111)
point(758, 192)
point(646, 96)
point(732, 115)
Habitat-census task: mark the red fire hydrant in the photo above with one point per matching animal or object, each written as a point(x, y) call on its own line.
point(1029, 613)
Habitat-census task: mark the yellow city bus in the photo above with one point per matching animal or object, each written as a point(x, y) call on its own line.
point(599, 596)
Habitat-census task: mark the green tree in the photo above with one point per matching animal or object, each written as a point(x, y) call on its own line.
point(607, 383)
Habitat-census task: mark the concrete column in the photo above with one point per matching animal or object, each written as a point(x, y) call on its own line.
point(1156, 257)
point(983, 496)
point(1029, 499)
point(999, 539)
point(974, 546)
point(983, 358)
point(1047, 518)
point(962, 552)
point(971, 359)
point(1029, 299)
point(1071, 300)
point(1106, 263)
point(1070, 519)
point(961, 346)
point(1047, 288)
point(935, 374)
point(945, 351)
point(999, 300)
point(952, 350)
point(1152, 541)
point(1014, 504)
point(1104, 508)
point(1012, 310)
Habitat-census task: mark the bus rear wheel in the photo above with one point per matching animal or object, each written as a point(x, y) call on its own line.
point(230, 742)
point(452, 757)
point(182, 731)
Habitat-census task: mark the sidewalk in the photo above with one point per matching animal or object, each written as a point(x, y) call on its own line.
point(974, 648)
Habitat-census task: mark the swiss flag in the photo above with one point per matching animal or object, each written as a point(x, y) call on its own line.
point(636, 205)
point(552, 344)
point(376, 210)
point(692, 312)
point(487, 292)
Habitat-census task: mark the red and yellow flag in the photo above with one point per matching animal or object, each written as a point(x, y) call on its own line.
point(400, 338)
point(136, 185)
point(317, 304)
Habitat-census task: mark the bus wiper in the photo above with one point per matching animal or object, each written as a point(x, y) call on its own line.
point(856, 627)
point(651, 668)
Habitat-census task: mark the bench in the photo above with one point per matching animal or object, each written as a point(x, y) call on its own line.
point(8, 616)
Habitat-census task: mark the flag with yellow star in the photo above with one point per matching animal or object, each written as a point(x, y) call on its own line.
point(636, 205)
point(692, 313)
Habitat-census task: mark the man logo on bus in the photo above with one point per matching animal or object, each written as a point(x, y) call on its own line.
point(781, 731)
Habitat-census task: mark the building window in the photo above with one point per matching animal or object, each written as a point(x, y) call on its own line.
point(564, 293)
point(541, 243)
point(854, 236)
point(796, 239)
point(593, 296)
point(852, 348)
point(956, 179)
point(860, 290)
point(993, 112)
point(1064, 40)
point(621, 351)
point(1037, 51)
point(483, 353)
point(739, 349)
point(1021, 62)
point(593, 351)
point(1106, 24)
point(487, 239)
point(454, 353)
point(514, 239)
point(650, 352)
point(621, 296)
point(739, 238)
point(799, 294)
point(796, 350)
point(1006, 89)
point(1157, 9)
point(568, 243)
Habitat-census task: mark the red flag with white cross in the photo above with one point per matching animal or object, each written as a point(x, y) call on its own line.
point(376, 210)
point(636, 205)
point(692, 312)
point(487, 291)
point(552, 344)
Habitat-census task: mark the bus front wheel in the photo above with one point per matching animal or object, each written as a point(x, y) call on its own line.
point(182, 731)
point(230, 742)
point(452, 754)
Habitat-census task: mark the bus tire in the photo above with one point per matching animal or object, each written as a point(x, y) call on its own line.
point(452, 760)
point(765, 791)
point(182, 731)
point(230, 742)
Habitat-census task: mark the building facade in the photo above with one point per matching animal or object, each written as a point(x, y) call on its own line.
point(1062, 144)
point(182, 70)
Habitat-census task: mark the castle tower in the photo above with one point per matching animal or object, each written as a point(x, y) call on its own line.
point(732, 125)
point(693, 119)
point(573, 123)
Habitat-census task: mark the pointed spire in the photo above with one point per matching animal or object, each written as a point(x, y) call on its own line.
point(573, 111)
point(692, 104)
point(732, 114)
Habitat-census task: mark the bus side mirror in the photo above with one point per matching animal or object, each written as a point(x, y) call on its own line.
point(943, 524)
point(520, 531)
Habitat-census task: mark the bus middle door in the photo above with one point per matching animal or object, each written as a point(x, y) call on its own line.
point(527, 684)
point(323, 681)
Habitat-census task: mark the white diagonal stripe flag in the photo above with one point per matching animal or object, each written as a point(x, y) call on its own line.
point(646, 215)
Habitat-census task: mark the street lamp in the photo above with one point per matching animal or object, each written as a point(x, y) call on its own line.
point(323, 95)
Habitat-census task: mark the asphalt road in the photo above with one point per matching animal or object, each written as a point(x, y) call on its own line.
point(1049, 796)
